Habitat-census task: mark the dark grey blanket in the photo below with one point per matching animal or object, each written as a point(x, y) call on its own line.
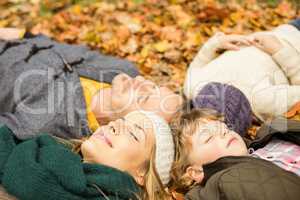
point(40, 89)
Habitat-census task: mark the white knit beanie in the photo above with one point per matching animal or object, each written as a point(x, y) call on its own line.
point(165, 148)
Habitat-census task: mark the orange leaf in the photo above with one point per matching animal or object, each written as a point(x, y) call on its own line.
point(177, 196)
point(293, 111)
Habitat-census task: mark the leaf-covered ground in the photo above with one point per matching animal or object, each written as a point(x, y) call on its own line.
point(160, 36)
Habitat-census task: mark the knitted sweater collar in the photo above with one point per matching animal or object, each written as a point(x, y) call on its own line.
point(42, 168)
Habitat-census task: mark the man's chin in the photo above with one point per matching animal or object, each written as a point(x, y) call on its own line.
point(104, 119)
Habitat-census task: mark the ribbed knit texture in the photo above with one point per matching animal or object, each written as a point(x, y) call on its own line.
point(43, 169)
point(165, 148)
point(230, 102)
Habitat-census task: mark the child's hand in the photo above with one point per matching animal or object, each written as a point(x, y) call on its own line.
point(267, 43)
point(232, 42)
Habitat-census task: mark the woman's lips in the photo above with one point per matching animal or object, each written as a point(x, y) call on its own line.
point(230, 141)
point(104, 138)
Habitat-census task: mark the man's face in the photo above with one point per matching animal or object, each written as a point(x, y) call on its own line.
point(129, 94)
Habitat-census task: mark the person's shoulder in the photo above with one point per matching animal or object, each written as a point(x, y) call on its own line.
point(257, 169)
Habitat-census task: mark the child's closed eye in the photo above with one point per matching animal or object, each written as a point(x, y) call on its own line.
point(208, 139)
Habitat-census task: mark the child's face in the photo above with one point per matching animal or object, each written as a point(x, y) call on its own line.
point(212, 141)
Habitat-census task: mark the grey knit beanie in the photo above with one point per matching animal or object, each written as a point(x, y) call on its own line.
point(228, 101)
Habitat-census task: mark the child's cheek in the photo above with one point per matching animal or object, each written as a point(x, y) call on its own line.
point(212, 152)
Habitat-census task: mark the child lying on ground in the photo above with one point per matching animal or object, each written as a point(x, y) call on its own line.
point(218, 161)
point(265, 66)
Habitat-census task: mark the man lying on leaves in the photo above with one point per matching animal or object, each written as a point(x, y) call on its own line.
point(69, 90)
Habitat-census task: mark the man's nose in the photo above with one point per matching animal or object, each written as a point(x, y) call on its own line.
point(139, 78)
point(125, 77)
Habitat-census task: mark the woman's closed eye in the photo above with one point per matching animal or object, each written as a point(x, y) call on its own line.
point(112, 130)
point(133, 136)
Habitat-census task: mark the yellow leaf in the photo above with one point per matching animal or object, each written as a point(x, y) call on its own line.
point(255, 23)
point(193, 39)
point(183, 19)
point(3, 23)
point(161, 46)
point(208, 31)
point(145, 51)
point(297, 117)
point(76, 9)
point(236, 16)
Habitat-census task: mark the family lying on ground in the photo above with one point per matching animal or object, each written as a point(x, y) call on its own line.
point(76, 124)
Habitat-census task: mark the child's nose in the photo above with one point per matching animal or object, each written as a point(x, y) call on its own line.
point(221, 136)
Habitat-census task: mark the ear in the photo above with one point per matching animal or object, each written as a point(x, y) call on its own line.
point(195, 173)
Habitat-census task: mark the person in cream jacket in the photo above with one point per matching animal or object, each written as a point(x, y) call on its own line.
point(265, 66)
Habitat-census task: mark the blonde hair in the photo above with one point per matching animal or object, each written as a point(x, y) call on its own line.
point(153, 187)
point(184, 125)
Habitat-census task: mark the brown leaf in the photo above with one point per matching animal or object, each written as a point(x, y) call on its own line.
point(171, 33)
point(160, 36)
point(130, 47)
point(123, 33)
point(252, 132)
point(132, 24)
point(173, 56)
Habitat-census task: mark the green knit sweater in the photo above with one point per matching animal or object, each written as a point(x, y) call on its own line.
point(43, 169)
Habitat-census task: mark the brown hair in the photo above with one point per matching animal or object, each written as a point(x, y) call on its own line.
point(185, 124)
